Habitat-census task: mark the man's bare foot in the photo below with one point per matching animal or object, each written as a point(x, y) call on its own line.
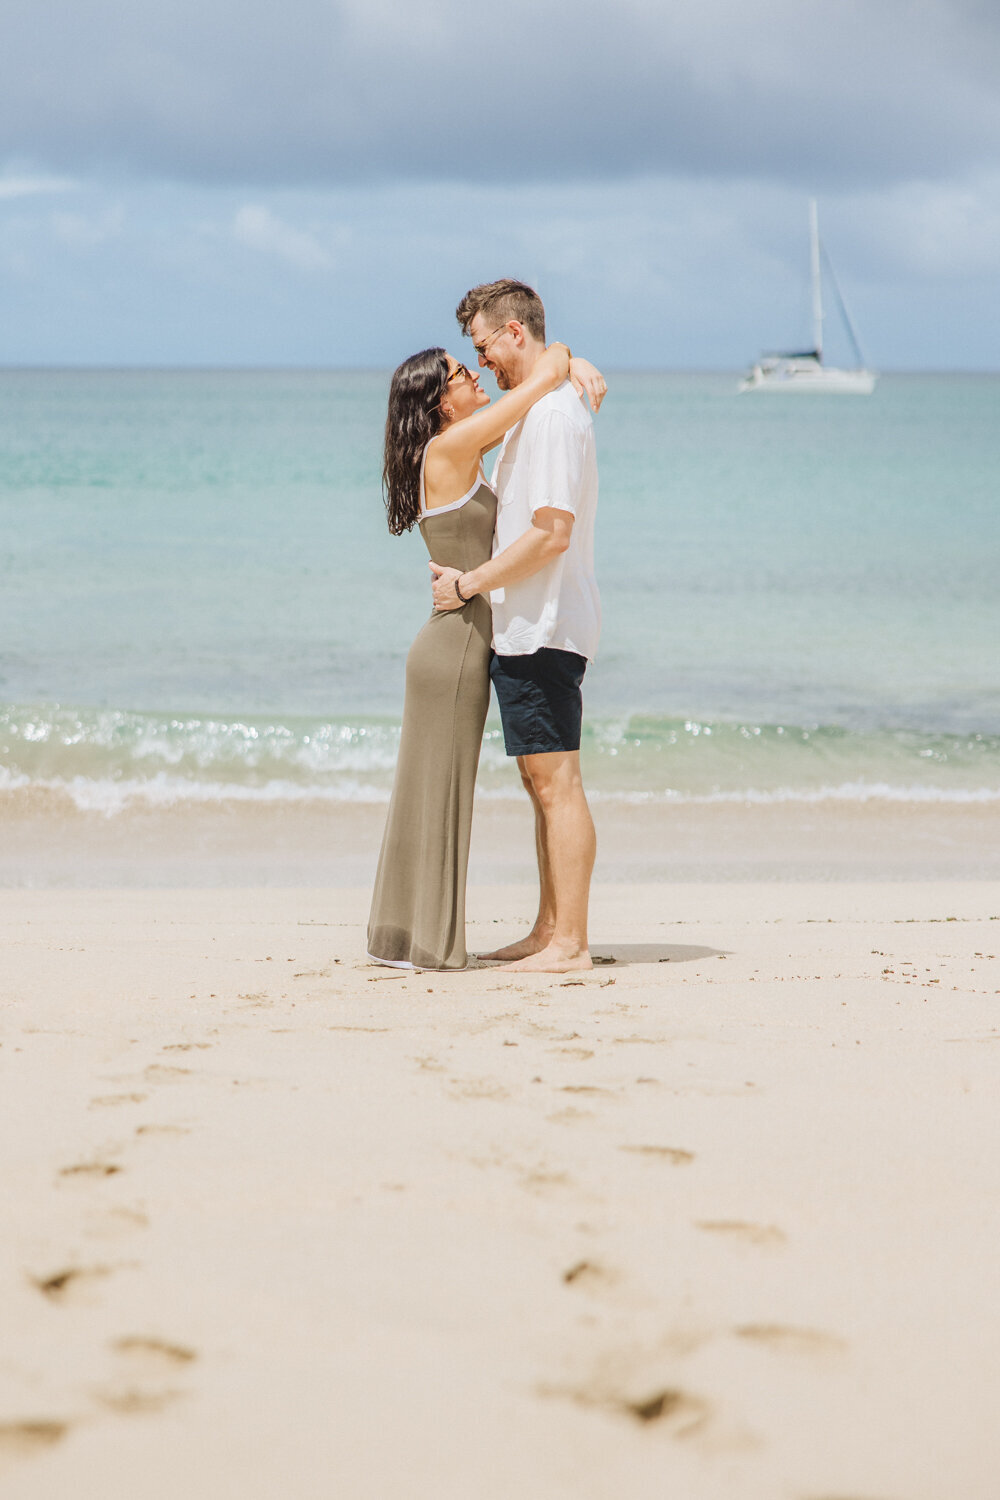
point(535, 942)
point(554, 959)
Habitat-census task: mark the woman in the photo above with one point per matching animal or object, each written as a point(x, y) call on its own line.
point(439, 425)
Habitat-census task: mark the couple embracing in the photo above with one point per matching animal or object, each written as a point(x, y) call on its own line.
point(515, 601)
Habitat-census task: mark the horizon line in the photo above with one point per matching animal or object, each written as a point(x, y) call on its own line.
point(281, 368)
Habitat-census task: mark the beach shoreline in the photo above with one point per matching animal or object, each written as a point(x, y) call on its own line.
point(711, 1220)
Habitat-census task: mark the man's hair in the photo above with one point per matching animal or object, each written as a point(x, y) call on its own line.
point(501, 301)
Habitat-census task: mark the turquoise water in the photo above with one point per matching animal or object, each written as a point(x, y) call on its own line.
point(199, 597)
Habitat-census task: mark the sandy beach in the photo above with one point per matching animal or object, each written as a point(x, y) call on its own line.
point(718, 1220)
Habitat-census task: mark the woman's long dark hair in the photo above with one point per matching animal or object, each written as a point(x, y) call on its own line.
point(414, 417)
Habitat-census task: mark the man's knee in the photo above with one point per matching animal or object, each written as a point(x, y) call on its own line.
point(525, 774)
point(551, 778)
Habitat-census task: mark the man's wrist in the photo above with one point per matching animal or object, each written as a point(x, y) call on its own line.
point(467, 585)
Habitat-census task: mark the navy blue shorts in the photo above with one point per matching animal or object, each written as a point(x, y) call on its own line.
point(541, 705)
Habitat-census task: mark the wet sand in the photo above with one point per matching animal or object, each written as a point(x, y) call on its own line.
point(47, 842)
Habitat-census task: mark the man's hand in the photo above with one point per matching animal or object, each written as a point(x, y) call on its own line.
point(443, 587)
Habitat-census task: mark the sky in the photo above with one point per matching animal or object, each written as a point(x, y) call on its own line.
point(316, 183)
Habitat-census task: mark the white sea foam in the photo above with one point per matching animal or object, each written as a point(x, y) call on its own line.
point(848, 791)
point(110, 798)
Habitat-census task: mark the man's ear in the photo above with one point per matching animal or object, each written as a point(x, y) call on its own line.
point(517, 329)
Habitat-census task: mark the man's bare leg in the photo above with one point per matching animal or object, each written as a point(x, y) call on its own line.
point(544, 924)
point(570, 846)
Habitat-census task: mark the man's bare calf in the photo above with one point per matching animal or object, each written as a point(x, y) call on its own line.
point(565, 845)
point(544, 924)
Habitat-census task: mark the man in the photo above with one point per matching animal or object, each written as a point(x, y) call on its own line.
point(546, 614)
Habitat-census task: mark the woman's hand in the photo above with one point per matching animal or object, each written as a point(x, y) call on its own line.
point(588, 380)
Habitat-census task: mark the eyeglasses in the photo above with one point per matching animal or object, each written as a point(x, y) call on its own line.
point(460, 372)
point(488, 340)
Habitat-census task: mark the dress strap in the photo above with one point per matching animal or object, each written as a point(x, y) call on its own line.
point(455, 504)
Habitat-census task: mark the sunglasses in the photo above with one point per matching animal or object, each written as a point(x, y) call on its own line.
point(458, 373)
point(488, 340)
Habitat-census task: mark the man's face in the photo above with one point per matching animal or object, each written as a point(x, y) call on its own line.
point(497, 351)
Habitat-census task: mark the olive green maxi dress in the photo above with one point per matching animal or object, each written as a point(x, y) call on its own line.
point(418, 905)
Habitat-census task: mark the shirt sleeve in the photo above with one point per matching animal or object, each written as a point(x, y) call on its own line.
point(555, 470)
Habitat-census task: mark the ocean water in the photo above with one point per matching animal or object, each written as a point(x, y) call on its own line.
point(200, 600)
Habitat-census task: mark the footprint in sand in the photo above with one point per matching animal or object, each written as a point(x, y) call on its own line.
point(110, 1223)
point(589, 1275)
point(429, 1064)
point(160, 1073)
point(72, 1284)
point(787, 1340)
point(675, 1155)
point(152, 1355)
point(750, 1234)
point(26, 1438)
point(477, 1088)
point(129, 1401)
point(569, 1116)
point(541, 1182)
point(684, 1413)
point(144, 1362)
point(91, 1170)
point(680, 1413)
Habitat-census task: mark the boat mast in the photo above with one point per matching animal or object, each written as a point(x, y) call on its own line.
point(843, 310)
point(816, 287)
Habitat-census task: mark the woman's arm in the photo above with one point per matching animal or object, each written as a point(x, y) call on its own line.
point(464, 441)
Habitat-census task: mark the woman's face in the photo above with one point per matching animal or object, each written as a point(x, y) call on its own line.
point(463, 394)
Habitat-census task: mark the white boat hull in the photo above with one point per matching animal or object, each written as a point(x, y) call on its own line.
point(794, 377)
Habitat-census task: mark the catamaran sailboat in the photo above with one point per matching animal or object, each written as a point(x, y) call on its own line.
point(805, 371)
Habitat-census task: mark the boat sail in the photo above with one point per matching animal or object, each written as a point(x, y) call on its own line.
point(805, 371)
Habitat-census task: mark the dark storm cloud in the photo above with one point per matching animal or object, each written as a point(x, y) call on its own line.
point(820, 92)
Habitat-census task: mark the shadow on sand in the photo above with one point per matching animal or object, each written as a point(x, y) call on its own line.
point(650, 953)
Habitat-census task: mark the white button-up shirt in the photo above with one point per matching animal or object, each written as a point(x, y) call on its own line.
point(549, 459)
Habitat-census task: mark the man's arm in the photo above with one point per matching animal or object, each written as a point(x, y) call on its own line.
point(545, 539)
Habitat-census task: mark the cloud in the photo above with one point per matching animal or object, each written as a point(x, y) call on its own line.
point(825, 94)
point(941, 231)
point(29, 185)
point(87, 231)
point(260, 229)
point(652, 272)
